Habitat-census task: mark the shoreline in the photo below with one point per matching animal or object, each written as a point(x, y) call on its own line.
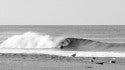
point(64, 53)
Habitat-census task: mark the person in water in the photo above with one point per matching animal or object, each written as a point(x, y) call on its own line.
point(64, 43)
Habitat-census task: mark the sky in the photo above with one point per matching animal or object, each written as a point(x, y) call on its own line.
point(62, 12)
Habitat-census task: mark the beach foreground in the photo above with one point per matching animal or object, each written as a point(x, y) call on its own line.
point(12, 61)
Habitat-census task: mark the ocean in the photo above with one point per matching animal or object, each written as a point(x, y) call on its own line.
point(63, 39)
point(110, 33)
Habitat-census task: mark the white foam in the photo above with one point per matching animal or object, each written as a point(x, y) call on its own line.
point(65, 53)
point(31, 40)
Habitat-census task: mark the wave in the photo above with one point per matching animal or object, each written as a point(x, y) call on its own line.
point(32, 40)
point(77, 44)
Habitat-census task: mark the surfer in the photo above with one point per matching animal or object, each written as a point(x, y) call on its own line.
point(64, 43)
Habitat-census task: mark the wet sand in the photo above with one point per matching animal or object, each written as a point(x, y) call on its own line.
point(53, 62)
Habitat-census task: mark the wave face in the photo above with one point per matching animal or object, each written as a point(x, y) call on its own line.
point(32, 40)
point(90, 45)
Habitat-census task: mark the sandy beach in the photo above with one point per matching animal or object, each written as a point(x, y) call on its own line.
point(53, 62)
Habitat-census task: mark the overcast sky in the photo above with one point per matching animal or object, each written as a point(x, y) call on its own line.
point(62, 12)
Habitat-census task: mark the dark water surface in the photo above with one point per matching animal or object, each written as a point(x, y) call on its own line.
point(110, 33)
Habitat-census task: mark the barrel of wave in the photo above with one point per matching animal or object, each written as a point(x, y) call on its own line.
point(33, 40)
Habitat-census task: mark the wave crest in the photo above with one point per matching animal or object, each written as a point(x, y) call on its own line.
point(32, 40)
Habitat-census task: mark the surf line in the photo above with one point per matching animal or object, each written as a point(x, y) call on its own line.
point(65, 53)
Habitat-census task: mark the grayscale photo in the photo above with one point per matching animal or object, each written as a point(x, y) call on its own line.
point(62, 35)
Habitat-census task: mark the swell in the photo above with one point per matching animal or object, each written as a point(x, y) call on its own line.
point(91, 45)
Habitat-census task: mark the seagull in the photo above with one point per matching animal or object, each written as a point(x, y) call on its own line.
point(73, 55)
point(113, 60)
point(92, 59)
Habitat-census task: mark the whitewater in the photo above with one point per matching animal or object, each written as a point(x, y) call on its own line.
point(41, 43)
point(32, 40)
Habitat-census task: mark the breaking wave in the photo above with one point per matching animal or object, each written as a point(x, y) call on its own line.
point(32, 40)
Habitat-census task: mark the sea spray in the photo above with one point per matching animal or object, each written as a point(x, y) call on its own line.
point(32, 40)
